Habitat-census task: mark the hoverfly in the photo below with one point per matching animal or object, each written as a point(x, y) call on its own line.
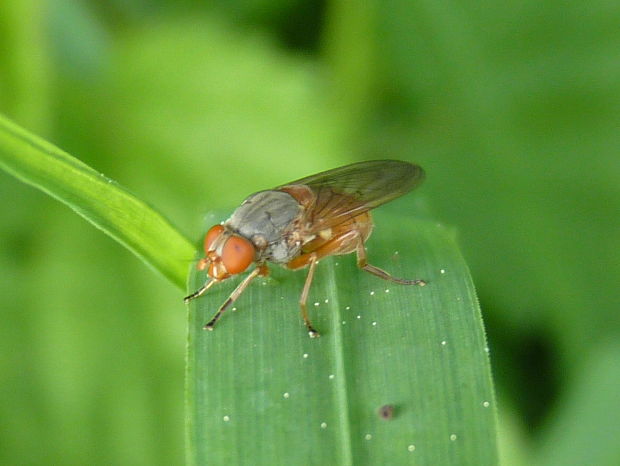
point(297, 224)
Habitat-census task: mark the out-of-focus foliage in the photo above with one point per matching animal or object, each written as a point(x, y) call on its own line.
point(512, 109)
point(98, 199)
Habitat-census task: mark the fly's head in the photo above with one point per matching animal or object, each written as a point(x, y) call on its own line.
point(226, 253)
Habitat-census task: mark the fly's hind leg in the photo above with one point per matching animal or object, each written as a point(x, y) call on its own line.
point(362, 263)
point(344, 243)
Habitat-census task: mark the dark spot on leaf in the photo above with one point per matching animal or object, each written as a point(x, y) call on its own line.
point(386, 412)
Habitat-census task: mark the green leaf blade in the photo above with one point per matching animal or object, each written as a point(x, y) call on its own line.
point(98, 199)
point(261, 392)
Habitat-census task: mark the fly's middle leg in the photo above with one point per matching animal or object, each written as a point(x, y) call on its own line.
point(333, 246)
point(304, 297)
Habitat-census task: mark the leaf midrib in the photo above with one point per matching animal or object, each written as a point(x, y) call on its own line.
point(341, 382)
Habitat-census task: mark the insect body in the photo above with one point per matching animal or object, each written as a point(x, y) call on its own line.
point(301, 222)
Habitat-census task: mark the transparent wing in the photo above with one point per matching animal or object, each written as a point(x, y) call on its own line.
point(343, 193)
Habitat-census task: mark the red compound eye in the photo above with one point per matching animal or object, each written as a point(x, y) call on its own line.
point(211, 235)
point(237, 255)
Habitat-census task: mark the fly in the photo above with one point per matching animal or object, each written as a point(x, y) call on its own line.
point(297, 224)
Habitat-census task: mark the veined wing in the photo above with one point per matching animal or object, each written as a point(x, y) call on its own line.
point(344, 192)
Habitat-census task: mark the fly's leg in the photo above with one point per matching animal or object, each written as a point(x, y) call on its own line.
point(261, 270)
point(362, 263)
point(333, 246)
point(304, 297)
point(200, 291)
point(343, 243)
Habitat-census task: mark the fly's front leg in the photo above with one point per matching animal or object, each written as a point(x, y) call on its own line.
point(362, 263)
point(304, 297)
point(200, 291)
point(261, 270)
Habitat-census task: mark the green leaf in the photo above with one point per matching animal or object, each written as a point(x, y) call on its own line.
point(584, 428)
point(260, 391)
point(97, 198)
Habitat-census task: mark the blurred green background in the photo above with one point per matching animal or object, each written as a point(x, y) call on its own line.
point(513, 109)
